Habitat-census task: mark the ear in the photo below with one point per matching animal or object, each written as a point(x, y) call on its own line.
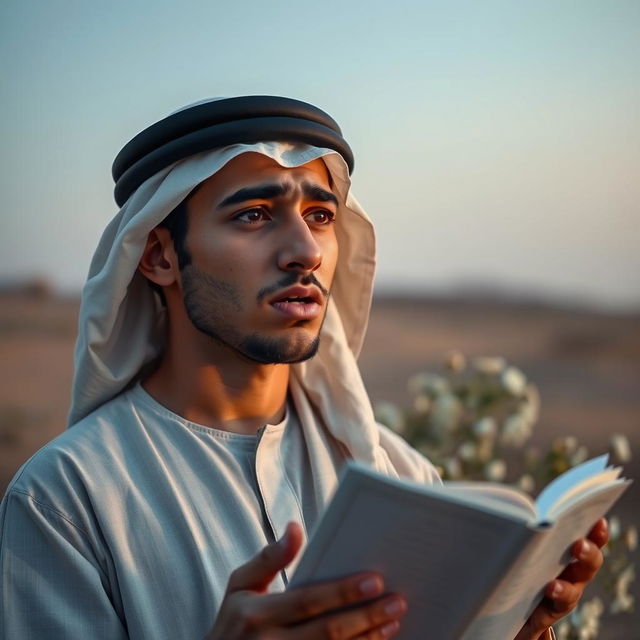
point(159, 262)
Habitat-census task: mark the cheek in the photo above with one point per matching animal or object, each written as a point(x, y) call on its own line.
point(221, 257)
point(330, 259)
point(233, 262)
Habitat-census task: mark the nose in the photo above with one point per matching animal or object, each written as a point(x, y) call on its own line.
point(299, 249)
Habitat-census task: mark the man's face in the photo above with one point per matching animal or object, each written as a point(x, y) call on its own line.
point(263, 255)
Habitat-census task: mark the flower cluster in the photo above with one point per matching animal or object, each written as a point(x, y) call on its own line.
point(474, 420)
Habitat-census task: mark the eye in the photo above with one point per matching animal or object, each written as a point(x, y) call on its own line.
point(251, 216)
point(321, 217)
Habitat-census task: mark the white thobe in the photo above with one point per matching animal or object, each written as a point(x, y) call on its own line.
point(129, 524)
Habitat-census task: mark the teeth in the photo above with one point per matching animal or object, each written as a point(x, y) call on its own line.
point(298, 300)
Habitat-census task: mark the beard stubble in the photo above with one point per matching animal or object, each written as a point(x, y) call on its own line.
point(211, 303)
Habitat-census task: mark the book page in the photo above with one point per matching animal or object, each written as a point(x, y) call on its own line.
point(495, 496)
point(548, 554)
point(442, 555)
point(581, 491)
point(564, 482)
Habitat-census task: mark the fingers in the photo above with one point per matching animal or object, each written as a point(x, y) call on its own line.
point(385, 631)
point(561, 598)
point(372, 621)
point(304, 603)
point(599, 534)
point(588, 559)
point(259, 572)
point(563, 593)
point(347, 609)
point(341, 609)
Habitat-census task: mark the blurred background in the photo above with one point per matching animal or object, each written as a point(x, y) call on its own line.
point(497, 150)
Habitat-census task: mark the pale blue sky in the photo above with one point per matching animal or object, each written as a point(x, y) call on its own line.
point(494, 141)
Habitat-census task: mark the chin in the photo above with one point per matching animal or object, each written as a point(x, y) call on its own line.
point(266, 350)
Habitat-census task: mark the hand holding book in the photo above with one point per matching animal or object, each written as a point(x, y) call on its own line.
point(344, 609)
point(563, 593)
point(475, 561)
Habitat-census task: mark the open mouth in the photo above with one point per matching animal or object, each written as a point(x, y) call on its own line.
point(298, 305)
point(295, 300)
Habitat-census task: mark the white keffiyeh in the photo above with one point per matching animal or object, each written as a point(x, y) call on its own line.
point(121, 319)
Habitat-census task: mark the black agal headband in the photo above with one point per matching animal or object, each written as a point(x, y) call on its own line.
point(220, 123)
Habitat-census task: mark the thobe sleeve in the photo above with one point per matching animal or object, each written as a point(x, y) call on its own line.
point(51, 583)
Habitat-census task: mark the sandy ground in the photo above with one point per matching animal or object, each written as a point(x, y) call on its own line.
point(586, 365)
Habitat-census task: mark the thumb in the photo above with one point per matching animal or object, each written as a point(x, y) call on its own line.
point(259, 572)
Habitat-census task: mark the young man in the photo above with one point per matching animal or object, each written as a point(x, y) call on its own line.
point(215, 399)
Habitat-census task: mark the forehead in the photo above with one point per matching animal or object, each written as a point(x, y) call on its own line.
point(254, 169)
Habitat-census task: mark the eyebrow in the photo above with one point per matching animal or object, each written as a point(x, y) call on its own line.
point(275, 190)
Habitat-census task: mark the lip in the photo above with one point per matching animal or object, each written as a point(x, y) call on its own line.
point(311, 293)
point(307, 310)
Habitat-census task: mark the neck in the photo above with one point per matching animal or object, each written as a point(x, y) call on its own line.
point(212, 385)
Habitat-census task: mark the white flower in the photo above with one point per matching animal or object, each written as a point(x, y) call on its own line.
point(422, 403)
point(526, 483)
point(496, 470)
point(590, 613)
point(596, 607)
point(485, 428)
point(489, 365)
point(388, 414)
point(529, 405)
point(485, 431)
point(623, 599)
point(428, 383)
point(562, 629)
point(455, 361)
point(631, 538)
point(516, 430)
point(513, 381)
point(620, 448)
point(614, 528)
point(579, 455)
point(452, 468)
point(445, 413)
point(467, 451)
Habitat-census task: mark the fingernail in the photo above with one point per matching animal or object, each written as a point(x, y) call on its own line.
point(390, 628)
point(395, 607)
point(585, 547)
point(370, 587)
point(557, 590)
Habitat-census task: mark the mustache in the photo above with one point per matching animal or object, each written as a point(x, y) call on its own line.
point(290, 280)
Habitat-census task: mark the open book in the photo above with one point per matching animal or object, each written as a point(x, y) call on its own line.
point(472, 559)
